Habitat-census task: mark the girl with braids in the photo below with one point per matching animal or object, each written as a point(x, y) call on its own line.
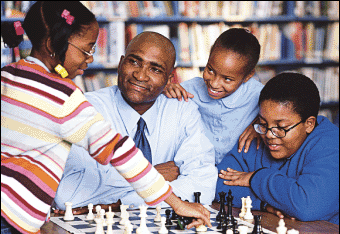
point(43, 113)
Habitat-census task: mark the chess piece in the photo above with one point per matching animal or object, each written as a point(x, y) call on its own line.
point(168, 219)
point(248, 215)
point(102, 216)
point(221, 214)
point(109, 226)
point(242, 229)
point(68, 212)
point(201, 228)
point(90, 215)
point(243, 209)
point(257, 226)
point(197, 197)
point(99, 228)
point(174, 216)
point(110, 214)
point(163, 229)
point(292, 231)
point(125, 218)
point(281, 229)
point(143, 229)
point(128, 228)
point(98, 208)
point(180, 223)
point(158, 215)
point(229, 216)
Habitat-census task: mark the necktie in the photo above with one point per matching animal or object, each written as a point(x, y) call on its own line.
point(141, 142)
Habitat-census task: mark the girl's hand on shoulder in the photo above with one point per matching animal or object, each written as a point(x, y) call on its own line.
point(176, 91)
point(247, 137)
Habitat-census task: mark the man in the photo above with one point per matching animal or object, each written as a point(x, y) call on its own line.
point(295, 171)
point(174, 131)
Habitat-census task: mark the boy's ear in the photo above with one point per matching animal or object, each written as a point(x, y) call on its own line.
point(250, 75)
point(310, 124)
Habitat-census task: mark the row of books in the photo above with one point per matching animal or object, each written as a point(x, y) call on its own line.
point(326, 79)
point(229, 10)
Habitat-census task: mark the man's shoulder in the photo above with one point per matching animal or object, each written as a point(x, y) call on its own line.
point(176, 106)
point(102, 95)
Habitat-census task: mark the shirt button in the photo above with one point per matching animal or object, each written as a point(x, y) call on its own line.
point(217, 139)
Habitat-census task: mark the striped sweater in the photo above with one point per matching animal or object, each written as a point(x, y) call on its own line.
point(42, 115)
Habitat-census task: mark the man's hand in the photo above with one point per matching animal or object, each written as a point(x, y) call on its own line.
point(277, 212)
point(176, 91)
point(85, 210)
point(168, 170)
point(247, 137)
point(235, 178)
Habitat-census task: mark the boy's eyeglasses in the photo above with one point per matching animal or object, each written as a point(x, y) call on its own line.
point(89, 54)
point(276, 131)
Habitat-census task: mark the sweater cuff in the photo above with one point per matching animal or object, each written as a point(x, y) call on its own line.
point(252, 176)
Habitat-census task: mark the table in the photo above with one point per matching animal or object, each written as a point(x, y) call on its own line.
point(269, 221)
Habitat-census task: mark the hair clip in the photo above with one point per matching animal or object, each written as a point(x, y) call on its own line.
point(61, 71)
point(18, 28)
point(69, 18)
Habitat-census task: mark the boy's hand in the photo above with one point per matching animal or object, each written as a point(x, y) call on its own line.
point(247, 137)
point(236, 178)
point(277, 212)
point(176, 91)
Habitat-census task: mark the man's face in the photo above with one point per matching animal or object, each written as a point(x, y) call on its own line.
point(143, 72)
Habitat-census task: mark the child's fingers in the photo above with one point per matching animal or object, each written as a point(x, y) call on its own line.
point(167, 94)
point(172, 93)
point(190, 95)
point(258, 142)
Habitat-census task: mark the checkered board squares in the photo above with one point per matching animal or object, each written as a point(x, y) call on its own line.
point(81, 225)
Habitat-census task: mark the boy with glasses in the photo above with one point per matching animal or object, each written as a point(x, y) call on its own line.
point(295, 172)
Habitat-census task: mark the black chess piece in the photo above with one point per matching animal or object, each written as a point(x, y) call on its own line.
point(221, 213)
point(229, 217)
point(174, 216)
point(197, 197)
point(257, 226)
point(187, 220)
point(180, 223)
point(235, 226)
point(168, 219)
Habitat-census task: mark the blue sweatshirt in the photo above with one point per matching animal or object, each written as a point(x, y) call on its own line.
point(304, 186)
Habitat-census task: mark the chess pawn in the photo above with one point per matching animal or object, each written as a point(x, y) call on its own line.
point(68, 212)
point(248, 215)
point(201, 228)
point(257, 226)
point(281, 229)
point(243, 209)
point(98, 208)
point(90, 215)
point(110, 214)
point(143, 229)
point(158, 215)
point(292, 231)
point(109, 226)
point(102, 216)
point(163, 229)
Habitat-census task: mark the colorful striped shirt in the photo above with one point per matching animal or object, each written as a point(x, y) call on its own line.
point(42, 115)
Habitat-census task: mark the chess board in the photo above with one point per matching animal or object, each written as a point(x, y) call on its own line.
point(81, 225)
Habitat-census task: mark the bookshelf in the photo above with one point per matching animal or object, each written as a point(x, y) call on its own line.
point(295, 36)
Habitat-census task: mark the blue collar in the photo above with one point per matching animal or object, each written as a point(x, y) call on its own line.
point(37, 61)
point(131, 117)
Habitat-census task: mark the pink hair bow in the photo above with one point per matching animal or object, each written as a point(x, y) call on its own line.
point(69, 18)
point(18, 28)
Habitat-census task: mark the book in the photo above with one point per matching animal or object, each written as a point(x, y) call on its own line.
point(116, 42)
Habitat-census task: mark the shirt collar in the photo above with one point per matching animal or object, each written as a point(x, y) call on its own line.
point(234, 100)
point(37, 61)
point(131, 117)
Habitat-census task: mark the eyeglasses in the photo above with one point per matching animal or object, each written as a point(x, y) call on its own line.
point(89, 54)
point(276, 131)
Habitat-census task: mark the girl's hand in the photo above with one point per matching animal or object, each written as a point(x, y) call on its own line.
point(176, 91)
point(235, 178)
point(247, 137)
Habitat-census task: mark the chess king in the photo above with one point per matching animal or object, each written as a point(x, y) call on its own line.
point(295, 172)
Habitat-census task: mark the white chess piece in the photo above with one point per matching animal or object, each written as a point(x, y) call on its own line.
point(125, 217)
point(109, 226)
point(99, 228)
point(201, 228)
point(98, 208)
point(68, 212)
point(281, 229)
point(242, 229)
point(128, 228)
point(292, 231)
point(90, 215)
point(163, 229)
point(158, 215)
point(248, 215)
point(243, 209)
point(110, 214)
point(102, 216)
point(229, 231)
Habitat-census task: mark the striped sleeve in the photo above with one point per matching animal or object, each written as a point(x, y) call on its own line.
point(88, 129)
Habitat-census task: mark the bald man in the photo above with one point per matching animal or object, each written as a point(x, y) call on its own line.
point(180, 151)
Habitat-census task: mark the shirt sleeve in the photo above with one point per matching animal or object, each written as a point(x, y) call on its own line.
point(83, 125)
point(238, 161)
point(195, 158)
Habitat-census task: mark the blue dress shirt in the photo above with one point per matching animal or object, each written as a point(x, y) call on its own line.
point(175, 132)
point(225, 119)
